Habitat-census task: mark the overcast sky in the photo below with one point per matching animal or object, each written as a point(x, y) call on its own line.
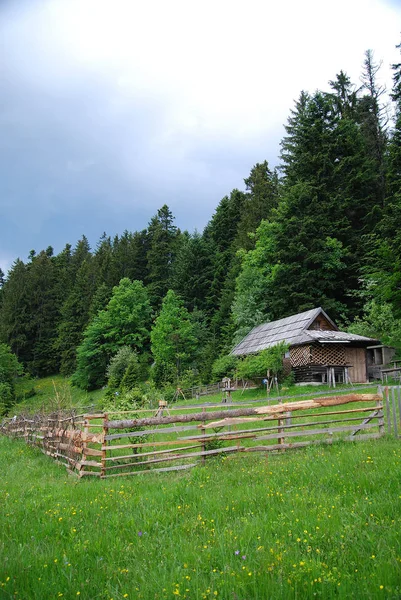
point(111, 108)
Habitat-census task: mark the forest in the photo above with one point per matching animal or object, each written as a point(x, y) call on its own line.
point(165, 305)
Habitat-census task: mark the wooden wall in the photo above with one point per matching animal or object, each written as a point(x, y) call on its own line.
point(357, 358)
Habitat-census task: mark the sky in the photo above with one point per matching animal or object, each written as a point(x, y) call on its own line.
point(111, 108)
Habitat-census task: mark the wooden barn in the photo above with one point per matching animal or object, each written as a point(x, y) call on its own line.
point(318, 351)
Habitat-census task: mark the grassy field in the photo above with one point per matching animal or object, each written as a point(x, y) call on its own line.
point(55, 392)
point(319, 522)
point(51, 393)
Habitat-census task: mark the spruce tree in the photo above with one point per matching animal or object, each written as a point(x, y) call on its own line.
point(259, 203)
point(163, 239)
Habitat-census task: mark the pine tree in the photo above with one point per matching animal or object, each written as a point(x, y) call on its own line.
point(192, 273)
point(10, 368)
point(259, 203)
point(78, 285)
point(384, 270)
point(373, 119)
point(44, 310)
point(15, 313)
point(163, 237)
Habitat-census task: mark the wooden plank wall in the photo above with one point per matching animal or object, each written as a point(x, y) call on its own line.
point(114, 445)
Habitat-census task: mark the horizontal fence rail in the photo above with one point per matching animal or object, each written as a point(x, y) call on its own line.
point(139, 442)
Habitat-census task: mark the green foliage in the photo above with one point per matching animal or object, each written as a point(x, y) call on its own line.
point(225, 366)
point(125, 322)
point(173, 340)
point(118, 366)
point(311, 238)
point(10, 368)
point(258, 365)
point(121, 401)
point(261, 200)
point(378, 322)
point(75, 309)
point(192, 272)
point(163, 240)
point(131, 374)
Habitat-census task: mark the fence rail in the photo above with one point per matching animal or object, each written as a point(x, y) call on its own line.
point(96, 445)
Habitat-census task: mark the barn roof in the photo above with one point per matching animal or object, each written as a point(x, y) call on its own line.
point(294, 331)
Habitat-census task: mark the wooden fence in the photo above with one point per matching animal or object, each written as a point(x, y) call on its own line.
point(121, 444)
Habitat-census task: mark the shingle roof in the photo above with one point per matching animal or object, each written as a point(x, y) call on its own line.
point(293, 331)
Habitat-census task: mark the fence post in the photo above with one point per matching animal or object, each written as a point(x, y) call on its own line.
point(388, 413)
point(399, 402)
point(104, 444)
point(84, 445)
point(381, 413)
point(203, 440)
point(394, 412)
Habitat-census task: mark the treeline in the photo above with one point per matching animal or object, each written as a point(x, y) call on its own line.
point(321, 230)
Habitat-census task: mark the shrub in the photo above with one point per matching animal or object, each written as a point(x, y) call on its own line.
point(119, 364)
point(258, 365)
point(225, 366)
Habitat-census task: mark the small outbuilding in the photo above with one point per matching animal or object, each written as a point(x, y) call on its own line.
point(318, 351)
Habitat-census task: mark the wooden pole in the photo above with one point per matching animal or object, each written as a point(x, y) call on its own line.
point(380, 414)
point(84, 445)
point(388, 414)
point(280, 430)
point(243, 412)
point(394, 412)
point(104, 446)
point(203, 442)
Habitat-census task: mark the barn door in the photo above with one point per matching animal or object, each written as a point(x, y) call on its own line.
point(357, 358)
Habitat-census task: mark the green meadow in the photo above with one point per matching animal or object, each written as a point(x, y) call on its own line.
point(317, 522)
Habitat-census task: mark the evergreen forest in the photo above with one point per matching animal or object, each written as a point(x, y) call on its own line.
point(166, 305)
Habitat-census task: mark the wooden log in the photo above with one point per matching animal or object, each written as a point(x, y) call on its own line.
point(104, 447)
point(242, 412)
point(177, 442)
point(89, 474)
point(93, 417)
point(72, 472)
point(92, 452)
point(222, 434)
point(117, 436)
point(155, 453)
point(90, 463)
point(85, 440)
point(179, 457)
point(203, 443)
point(374, 415)
point(388, 414)
point(312, 432)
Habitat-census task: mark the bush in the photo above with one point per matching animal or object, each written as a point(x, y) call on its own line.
point(124, 359)
point(130, 400)
point(189, 379)
point(258, 365)
point(225, 366)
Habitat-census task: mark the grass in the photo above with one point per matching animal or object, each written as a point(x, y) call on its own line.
point(259, 394)
point(320, 522)
point(50, 393)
